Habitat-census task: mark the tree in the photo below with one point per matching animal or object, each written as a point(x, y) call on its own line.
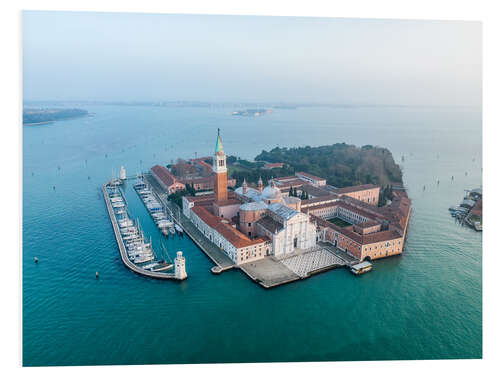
point(290, 192)
point(295, 192)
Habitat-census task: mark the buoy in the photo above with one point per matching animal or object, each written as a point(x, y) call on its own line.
point(36, 260)
point(97, 275)
point(424, 187)
point(106, 155)
point(54, 187)
point(89, 177)
point(466, 173)
point(438, 182)
point(32, 173)
point(452, 178)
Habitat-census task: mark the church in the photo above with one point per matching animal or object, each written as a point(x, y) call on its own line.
point(249, 224)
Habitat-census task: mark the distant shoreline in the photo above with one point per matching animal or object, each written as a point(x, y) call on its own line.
point(39, 123)
point(44, 116)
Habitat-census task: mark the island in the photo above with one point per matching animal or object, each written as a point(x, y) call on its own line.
point(39, 116)
point(276, 221)
point(252, 112)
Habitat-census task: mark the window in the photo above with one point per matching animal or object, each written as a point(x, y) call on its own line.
point(249, 224)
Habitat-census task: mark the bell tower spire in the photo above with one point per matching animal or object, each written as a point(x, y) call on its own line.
point(219, 167)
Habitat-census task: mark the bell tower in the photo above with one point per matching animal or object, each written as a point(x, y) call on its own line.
point(219, 167)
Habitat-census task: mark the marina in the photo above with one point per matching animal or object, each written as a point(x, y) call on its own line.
point(222, 261)
point(156, 209)
point(136, 251)
point(470, 211)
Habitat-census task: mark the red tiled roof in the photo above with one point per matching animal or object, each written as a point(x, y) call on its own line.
point(364, 239)
point(231, 234)
point(478, 208)
point(285, 178)
point(164, 175)
point(228, 202)
point(208, 197)
point(342, 204)
point(313, 177)
point(352, 189)
point(207, 217)
point(368, 224)
point(328, 198)
point(197, 180)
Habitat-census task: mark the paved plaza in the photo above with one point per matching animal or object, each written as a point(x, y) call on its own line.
point(269, 272)
point(305, 263)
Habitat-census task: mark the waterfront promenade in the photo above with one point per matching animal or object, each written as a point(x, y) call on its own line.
point(121, 245)
point(216, 255)
point(271, 271)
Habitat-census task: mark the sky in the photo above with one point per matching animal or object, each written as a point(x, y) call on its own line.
point(145, 57)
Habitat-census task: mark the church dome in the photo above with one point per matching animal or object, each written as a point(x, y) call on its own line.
point(271, 193)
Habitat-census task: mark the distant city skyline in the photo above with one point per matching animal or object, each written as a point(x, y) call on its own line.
point(85, 56)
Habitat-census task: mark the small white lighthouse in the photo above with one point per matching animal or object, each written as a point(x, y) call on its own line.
point(123, 173)
point(180, 266)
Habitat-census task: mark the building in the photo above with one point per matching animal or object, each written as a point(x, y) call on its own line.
point(204, 178)
point(166, 179)
point(273, 165)
point(374, 232)
point(366, 193)
point(315, 180)
point(249, 224)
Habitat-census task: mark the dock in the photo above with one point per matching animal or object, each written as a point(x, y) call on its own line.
point(217, 256)
point(121, 245)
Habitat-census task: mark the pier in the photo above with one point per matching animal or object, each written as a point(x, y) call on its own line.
point(221, 260)
point(121, 245)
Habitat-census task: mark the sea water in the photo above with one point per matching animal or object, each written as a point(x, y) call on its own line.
point(424, 304)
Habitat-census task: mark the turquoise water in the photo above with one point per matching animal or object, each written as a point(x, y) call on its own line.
point(424, 304)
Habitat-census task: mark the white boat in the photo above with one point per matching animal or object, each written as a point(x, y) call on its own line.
point(149, 266)
point(140, 254)
point(118, 204)
point(129, 231)
point(143, 259)
point(178, 228)
point(116, 199)
point(127, 223)
point(163, 224)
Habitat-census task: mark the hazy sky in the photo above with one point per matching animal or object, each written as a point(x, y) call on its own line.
point(117, 56)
